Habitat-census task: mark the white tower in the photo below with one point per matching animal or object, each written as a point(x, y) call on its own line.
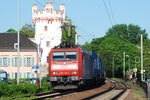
point(47, 28)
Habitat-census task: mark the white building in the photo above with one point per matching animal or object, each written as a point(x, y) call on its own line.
point(48, 22)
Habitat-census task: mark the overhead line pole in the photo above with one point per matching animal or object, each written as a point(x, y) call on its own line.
point(141, 57)
point(18, 44)
point(113, 67)
point(124, 65)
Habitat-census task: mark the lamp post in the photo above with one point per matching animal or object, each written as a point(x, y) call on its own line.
point(18, 39)
point(141, 57)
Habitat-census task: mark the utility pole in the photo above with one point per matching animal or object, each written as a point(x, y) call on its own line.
point(113, 67)
point(18, 49)
point(129, 64)
point(124, 65)
point(141, 57)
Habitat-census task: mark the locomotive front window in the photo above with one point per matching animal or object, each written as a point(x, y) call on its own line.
point(71, 55)
point(58, 55)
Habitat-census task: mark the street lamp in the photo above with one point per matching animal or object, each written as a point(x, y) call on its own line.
point(141, 57)
point(18, 39)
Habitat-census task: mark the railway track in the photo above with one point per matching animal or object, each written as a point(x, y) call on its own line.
point(84, 94)
point(105, 92)
point(111, 94)
point(63, 94)
point(52, 94)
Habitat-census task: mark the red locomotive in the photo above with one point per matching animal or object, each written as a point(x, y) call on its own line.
point(71, 66)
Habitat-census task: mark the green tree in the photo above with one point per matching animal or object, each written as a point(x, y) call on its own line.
point(87, 46)
point(129, 32)
point(116, 41)
point(11, 30)
point(68, 31)
point(111, 46)
point(146, 58)
point(28, 30)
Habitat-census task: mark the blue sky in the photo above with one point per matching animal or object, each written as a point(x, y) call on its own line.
point(90, 16)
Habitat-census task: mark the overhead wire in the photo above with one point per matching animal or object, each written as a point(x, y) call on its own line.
point(86, 34)
point(39, 3)
point(108, 13)
point(76, 24)
point(111, 11)
point(81, 29)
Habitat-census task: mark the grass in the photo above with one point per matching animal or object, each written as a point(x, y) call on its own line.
point(18, 98)
point(137, 91)
point(118, 79)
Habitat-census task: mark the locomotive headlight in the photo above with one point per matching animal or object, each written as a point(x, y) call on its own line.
point(54, 73)
point(74, 72)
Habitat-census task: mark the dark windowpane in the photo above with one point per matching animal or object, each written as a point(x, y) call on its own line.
point(58, 56)
point(71, 55)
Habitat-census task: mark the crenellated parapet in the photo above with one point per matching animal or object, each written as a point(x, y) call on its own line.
point(48, 14)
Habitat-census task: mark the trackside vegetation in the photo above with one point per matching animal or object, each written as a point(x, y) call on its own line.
point(118, 39)
point(25, 89)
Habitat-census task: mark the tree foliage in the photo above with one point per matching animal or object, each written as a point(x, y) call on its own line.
point(68, 32)
point(116, 41)
point(28, 30)
point(130, 33)
point(11, 30)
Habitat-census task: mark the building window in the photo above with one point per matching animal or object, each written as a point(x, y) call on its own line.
point(27, 75)
point(47, 43)
point(4, 61)
point(15, 61)
point(28, 61)
point(45, 28)
point(14, 75)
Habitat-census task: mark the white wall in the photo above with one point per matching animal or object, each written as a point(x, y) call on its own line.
point(51, 18)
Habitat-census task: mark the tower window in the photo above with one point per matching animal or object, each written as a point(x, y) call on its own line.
point(47, 43)
point(45, 28)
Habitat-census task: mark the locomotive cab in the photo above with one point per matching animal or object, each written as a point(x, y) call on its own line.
point(63, 68)
point(71, 67)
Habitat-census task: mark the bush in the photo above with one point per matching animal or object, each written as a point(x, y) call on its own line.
point(14, 89)
point(12, 81)
point(24, 88)
point(45, 85)
point(3, 88)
